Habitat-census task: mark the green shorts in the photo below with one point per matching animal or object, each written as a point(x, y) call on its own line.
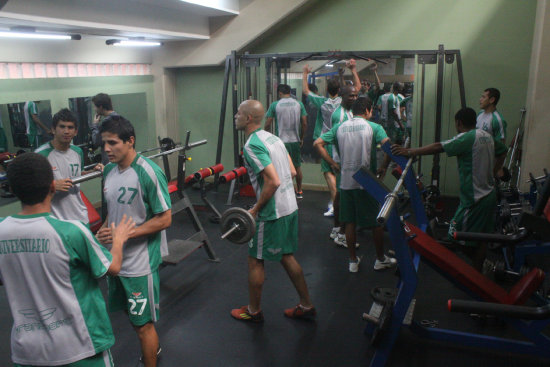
point(357, 206)
point(325, 167)
point(138, 296)
point(478, 218)
point(396, 135)
point(103, 359)
point(293, 150)
point(275, 238)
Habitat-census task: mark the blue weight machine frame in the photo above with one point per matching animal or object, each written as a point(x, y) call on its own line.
point(408, 262)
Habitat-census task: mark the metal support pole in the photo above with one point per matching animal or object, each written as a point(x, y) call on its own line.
point(460, 80)
point(421, 117)
point(438, 110)
point(235, 107)
point(222, 114)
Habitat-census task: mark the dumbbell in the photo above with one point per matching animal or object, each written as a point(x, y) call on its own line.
point(502, 273)
point(237, 225)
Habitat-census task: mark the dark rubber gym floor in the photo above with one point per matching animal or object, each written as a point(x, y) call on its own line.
point(196, 329)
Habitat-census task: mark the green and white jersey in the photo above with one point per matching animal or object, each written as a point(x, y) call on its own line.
point(382, 104)
point(262, 149)
point(356, 141)
point(287, 113)
point(49, 268)
point(28, 110)
point(475, 151)
point(140, 191)
point(393, 109)
point(326, 107)
point(408, 103)
point(338, 116)
point(66, 164)
point(493, 123)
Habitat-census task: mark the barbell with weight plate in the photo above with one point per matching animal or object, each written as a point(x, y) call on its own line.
point(237, 225)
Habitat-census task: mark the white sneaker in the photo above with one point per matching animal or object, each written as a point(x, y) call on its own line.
point(334, 232)
point(340, 240)
point(329, 212)
point(388, 262)
point(354, 265)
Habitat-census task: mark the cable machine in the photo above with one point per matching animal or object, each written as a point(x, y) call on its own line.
point(278, 63)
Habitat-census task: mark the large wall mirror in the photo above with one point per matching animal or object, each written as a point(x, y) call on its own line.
point(377, 79)
point(25, 125)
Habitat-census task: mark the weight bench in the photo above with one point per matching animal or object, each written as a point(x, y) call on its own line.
point(411, 244)
point(452, 266)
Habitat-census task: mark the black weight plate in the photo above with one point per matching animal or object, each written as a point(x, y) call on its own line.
point(245, 222)
point(384, 295)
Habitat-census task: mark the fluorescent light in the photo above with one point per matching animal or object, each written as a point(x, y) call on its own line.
point(130, 43)
point(35, 35)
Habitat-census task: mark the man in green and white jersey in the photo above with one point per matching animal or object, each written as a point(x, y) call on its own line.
point(33, 124)
point(489, 119)
point(355, 140)
point(67, 161)
point(137, 187)
point(50, 268)
point(480, 157)
point(390, 113)
point(290, 118)
point(103, 110)
point(323, 122)
point(276, 212)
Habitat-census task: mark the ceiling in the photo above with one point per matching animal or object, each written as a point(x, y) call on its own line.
point(161, 20)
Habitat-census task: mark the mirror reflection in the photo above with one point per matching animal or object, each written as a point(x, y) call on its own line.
point(25, 125)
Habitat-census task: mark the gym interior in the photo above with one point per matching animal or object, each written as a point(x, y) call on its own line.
point(433, 308)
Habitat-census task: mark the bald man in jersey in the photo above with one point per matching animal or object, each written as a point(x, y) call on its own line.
point(276, 212)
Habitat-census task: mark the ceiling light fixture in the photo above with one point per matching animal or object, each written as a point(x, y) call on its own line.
point(32, 35)
point(132, 43)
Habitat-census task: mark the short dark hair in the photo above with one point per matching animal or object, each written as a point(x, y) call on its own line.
point(360, 105)
point(30, 177)
point(103, 100)
point(116, 124)
point(333, 87)
point(313, 87)
point(283, 88)
point(64, 114)
point(397, 87)
point(467, 116)
point(493, 93)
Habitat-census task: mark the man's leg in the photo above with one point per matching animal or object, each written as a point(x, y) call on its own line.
point(331, 184)
point(296, 275)
point(299, 179)
point(256, 278)
point(378, 237)
point(149, 341)
point(351, 237)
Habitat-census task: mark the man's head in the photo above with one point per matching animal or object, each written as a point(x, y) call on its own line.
point(102, 103)
point(249, 114)
point(465, 119)
point(489, 97)
point(362, 107)
point(397, 88)
point(30, 177)
point(333, 87)
point(365, 86)
point(349, 95)
point(283, 90)
point(119, 138)
point(64, 126)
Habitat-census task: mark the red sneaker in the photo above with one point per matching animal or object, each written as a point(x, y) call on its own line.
point(245, 315)
point(299, 312)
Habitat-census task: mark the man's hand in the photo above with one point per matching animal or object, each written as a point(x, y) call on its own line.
point(351, 64)
point(97, 118)
point(105, 235)
point(335, 167)
point(373, 66)
point(123, 230)
point(399, 150)
point(307, 69)
point(99, 167)
point(253, 211)
point(63, 184)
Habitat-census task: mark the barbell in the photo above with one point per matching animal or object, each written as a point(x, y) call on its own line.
point(237, 225)
point(392, 198)
point(168, 143)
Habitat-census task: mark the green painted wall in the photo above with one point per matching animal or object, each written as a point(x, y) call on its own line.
point(132, 97)
point(494, 37)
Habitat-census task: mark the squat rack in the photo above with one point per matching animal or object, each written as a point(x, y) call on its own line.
point(236, 63)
